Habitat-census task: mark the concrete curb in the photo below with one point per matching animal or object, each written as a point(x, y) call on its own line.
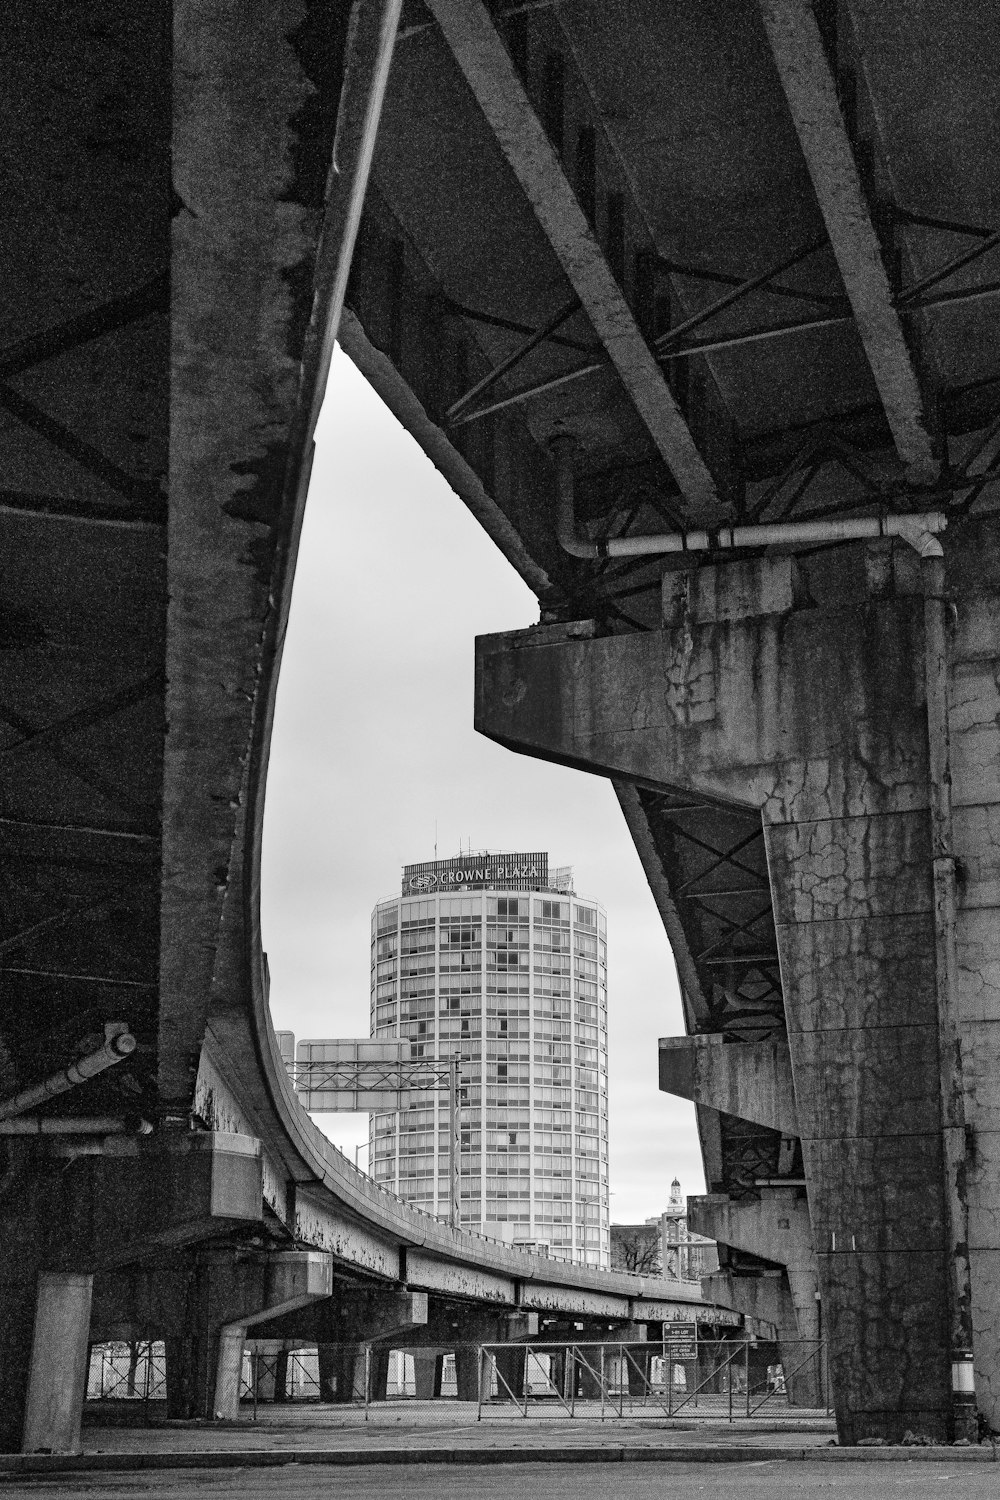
point(46, 1463)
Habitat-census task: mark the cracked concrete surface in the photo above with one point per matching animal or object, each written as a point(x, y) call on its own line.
point(818, 717)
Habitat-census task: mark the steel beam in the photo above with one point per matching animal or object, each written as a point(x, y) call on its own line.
point(370, 41)
point(489, 72)
point(50, 923)
point(90, 458)
point(695, 1001)
point(810, 89)
point(88, 716)
point(108, 317)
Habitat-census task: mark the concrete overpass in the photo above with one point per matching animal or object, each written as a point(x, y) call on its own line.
point(180, 238)
point(629, 274)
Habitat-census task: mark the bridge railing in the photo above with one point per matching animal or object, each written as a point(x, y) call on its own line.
point(690, 1287)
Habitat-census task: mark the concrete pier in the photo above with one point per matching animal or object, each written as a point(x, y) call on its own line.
point(826, 720)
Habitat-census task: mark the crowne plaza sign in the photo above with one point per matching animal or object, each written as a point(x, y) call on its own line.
point(477, 871)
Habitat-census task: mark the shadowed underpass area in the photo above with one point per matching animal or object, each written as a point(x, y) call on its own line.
point(705, 335)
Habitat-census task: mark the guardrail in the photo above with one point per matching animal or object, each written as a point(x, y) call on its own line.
point(687, 1374)
point(690, 1288)
point(123, 1371)
point(730, 1379)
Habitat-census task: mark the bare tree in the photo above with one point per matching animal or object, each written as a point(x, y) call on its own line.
point(636, 1248)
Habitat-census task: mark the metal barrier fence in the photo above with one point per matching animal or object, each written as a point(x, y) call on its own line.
point(127, 1372)
point(724, 1379)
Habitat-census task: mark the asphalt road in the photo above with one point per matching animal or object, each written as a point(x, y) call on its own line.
point(759, 1479)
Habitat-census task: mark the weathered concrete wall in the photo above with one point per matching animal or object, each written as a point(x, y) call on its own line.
point(975, 739)
point(818, 717)
point(776, 1227)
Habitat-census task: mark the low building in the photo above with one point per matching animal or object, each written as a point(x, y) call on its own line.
point(664, 1245)
point(685, 1255)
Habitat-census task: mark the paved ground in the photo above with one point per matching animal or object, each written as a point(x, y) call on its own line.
point(438, 1424)
point(439, 1451)
point(759, 1479)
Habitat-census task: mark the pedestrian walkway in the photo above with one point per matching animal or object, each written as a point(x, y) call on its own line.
point(446, 1433)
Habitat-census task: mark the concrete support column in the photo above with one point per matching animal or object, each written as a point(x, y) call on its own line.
point(834, 722)
point(510, 1364)
point(326, 1361)
point(560, 1367)
point(803, 1291)
point(18, 1285)
point(427, 1366)
point(467, 1373)
point(974, 713)
point(589, 1373)
point(378, 1373)
point(341, 1373)
point(281, 1376)
point(853, 909)
point(57, 1381)
point(637, 1369)
point(229, 1371)
point(192, 1361)
point(221, 1301)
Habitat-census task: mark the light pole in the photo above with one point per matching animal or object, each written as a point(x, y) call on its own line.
point(454, 1143)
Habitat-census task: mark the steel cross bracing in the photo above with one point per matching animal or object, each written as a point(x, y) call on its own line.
point(421, 1075)
point(715, 867)
point(908, 297)
point(836, 465)
point(79, 839)
point(492, 74)
point(27, 353)
point(672, 344)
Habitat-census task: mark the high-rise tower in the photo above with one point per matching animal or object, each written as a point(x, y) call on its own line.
point(495, 958)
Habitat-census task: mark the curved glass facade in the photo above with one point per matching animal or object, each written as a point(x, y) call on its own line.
point(515, 983)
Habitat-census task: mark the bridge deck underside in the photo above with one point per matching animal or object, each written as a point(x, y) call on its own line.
point(745, 256)
point(84, 415)
point(744, 253)
point(165, 198)
point(715, 867)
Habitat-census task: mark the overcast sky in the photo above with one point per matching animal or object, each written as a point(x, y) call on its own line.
point(374, 751)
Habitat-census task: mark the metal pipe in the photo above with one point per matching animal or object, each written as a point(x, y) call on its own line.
point(119, 1043)
point(918, 530)
point(80, 1125)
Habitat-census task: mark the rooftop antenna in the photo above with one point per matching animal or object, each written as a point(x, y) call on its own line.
point(435, 838)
